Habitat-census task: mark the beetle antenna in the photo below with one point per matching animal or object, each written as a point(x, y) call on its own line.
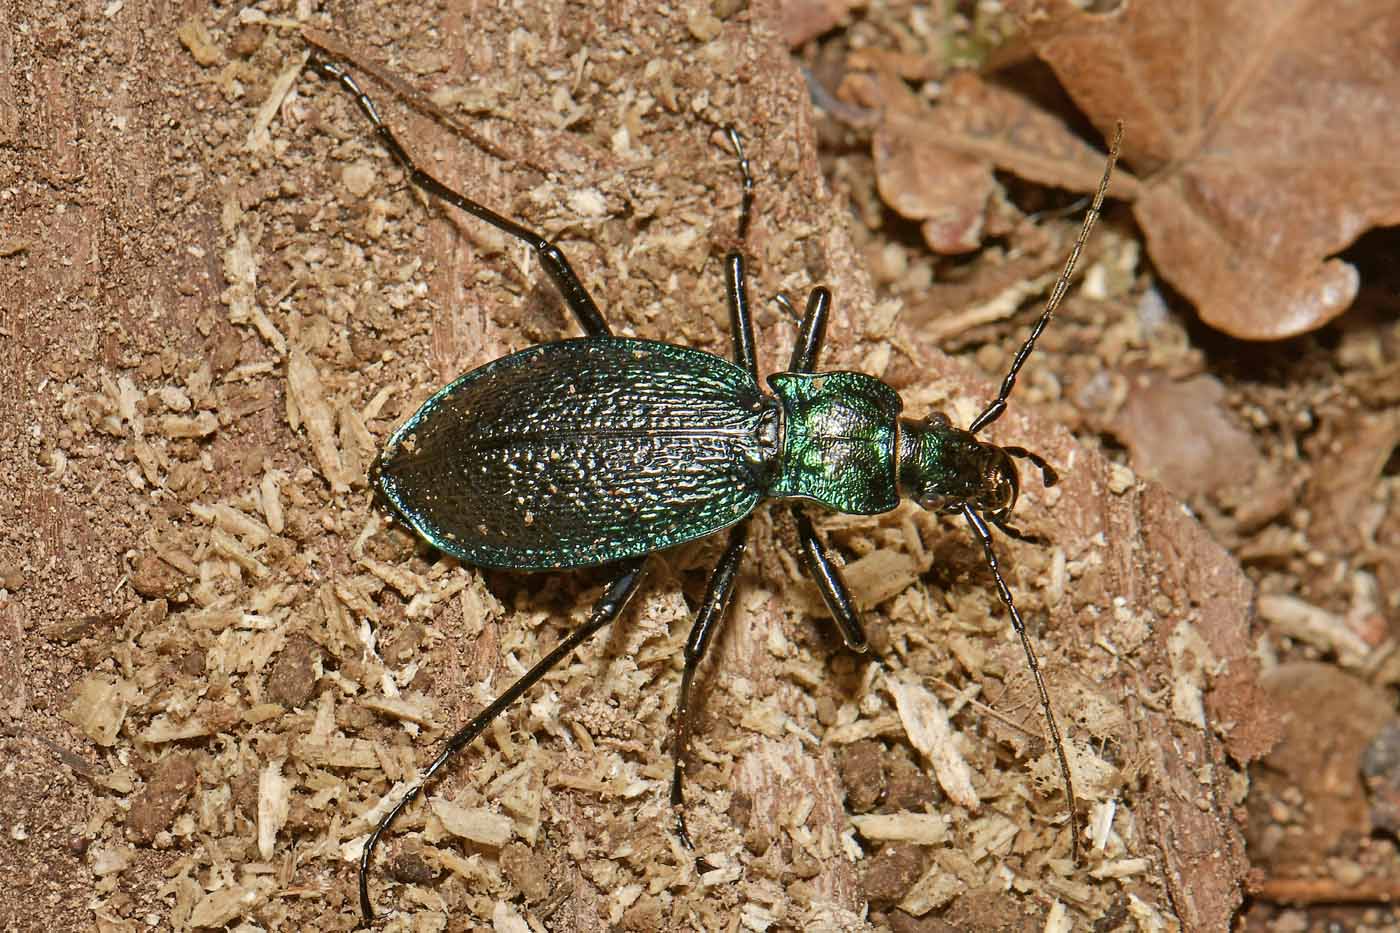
point(983, 534)
point(1057, 294)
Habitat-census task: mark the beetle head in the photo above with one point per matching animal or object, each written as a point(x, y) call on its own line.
point(944, 468)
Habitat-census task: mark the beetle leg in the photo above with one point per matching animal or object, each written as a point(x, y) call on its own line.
point(607, 609)
point(746, 204)
point(782, 301)
point(580, 303)
point(1011, 531)
point(984, 535)
point(811, 333)
point(827, 576)
point(735, 284)
point(740, 319)
point(707, 619)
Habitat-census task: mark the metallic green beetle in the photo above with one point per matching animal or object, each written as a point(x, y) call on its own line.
point(603, 449)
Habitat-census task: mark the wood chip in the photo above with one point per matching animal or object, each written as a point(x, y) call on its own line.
point(336, 752)
point(99, 707)
point(920, 828)
point(880, 575)
point(398, 708)
point(218, 908)
point(936, 888)
point(164, 729)
point(1301, 620)
point(926, 723)
point(253, 532)
point(305, 392)
point(274, 803)
point(484, 827)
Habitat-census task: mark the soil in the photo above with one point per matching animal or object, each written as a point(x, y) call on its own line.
point(219, 296)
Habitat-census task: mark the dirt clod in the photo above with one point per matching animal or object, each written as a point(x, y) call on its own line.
point(292, 680)
point(892, 871)
point(164, 796)
point(863, 775)
point(153, 578)
point(527, 870)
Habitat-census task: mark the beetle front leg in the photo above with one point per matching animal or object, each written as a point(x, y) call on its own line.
point(717, 596)
point(828, 578)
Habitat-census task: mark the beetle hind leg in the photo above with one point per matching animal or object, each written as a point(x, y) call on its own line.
point(575, 295)
point(609, 606)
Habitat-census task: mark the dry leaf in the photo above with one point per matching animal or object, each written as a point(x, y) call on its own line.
point(934, 164)
point(947, 191)
point(1357, 448)
point(1182, 435)
point(801, 21)
point(1330, 717)
point(1264, 134)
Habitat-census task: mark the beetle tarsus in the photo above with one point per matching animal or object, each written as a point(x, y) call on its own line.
point(746, 179)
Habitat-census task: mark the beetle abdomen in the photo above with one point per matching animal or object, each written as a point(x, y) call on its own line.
point(581, 452)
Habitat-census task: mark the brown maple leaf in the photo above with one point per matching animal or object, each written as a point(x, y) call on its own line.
point(1265, 135)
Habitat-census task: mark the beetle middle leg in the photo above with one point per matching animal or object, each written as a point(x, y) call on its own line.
point(575, 295)
point(810, 336)
point(720, 589)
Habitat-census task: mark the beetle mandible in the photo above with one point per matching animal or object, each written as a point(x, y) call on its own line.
point(603, 449)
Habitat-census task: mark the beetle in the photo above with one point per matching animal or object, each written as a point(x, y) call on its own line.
point(600, 450)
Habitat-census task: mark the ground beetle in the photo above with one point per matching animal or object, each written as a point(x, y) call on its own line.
point(603, 449)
